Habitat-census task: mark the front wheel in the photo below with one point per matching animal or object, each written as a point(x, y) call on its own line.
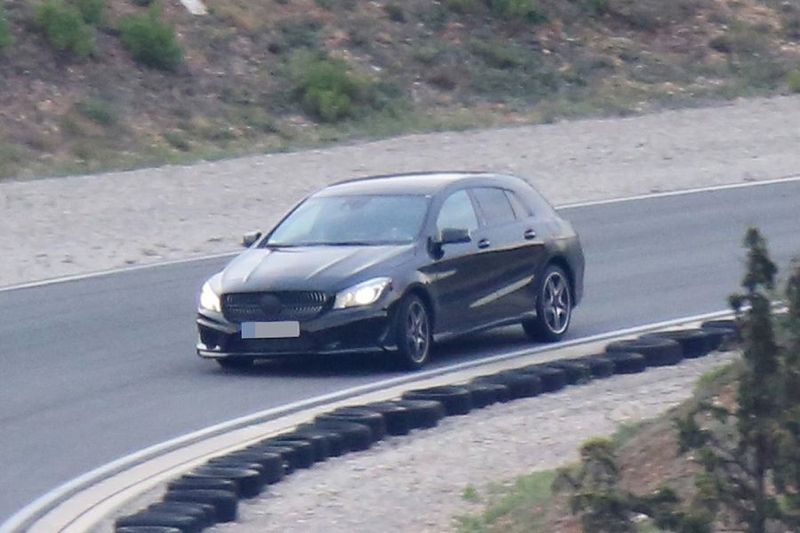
point(553, 306)
point(412, 333)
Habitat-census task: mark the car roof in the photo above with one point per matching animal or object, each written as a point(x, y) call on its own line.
point(427, 183)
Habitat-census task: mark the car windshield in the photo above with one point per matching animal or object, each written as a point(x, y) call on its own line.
point(352, 220)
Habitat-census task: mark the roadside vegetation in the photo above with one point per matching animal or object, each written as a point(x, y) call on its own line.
point(726, 460)
point(275, 75)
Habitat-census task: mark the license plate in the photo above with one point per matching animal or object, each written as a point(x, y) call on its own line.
point(270, 330)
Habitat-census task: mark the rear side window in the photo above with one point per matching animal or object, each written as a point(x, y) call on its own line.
point(520, 209)
point(494, 206)
point(457, 213)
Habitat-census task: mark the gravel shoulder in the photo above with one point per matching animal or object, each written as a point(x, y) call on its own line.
point(415, 483)
point(63, 226)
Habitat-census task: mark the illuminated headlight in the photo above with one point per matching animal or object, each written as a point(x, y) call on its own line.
point(362, 294)
point(209, 299)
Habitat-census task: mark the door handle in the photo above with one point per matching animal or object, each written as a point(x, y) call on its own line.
point(484, 243)
point(529, 234)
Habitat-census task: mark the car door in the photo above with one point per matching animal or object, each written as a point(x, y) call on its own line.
point(455, 273)
point(512, 252)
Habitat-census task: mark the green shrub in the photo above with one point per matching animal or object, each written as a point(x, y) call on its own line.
point(98, 111)
point(91, 10)
point(793, 80)
point(65, 29)
point(395, 12)
point(525, 10)
point(496, 54)
point(6, 39)
point(325, 87)
point(151, 41)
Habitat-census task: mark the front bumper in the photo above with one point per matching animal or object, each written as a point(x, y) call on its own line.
point(334, 331)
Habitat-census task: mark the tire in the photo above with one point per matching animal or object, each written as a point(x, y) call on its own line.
point(320, 443)
point(357, 437)
point(730, 329)
point(424, 414)
point(304, 450)
point(224, 502)
point(235, 363)
point(248, 482)
point(234, 462)
point(694, 342)
point(374, 421)
point(181, 522)
point(553, 379)
point(147, 529)
point(203, 511)
point(289, 455)
point(456, 400)
point(485, 394)
point(397, 418)
point(203, 483)
point(271, 463)
point(657, 352)
point(600, 366)
point(519, 385)
point(336, 444)
point(553, 306)
point(412, 332)
point(627, 362)
point(576, 372)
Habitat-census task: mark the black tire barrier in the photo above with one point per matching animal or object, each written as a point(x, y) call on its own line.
point(205, 512)
point(599, 365)
point(553, 379)
point(694, 342)
point(229, 462)
point(288, 454)
point(305, 455)
point(319, 444)
point(732, 331)
point(424, 414)
point(336, 444)
point(248, 482)
point(147, 529)
point(374, 421)
point(357, 437)
point(271, 463)
point(485, 394)
point(657, 352)
point(717, 337)
point(576, 372)
point(456, 400)
point(189, 482)
point(181, 522)
point(519, 385)
point(224, 502)
point(627, 362)
point(397, 418)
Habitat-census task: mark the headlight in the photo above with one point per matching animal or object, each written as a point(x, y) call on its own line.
point(362, 294)
point(209, 299)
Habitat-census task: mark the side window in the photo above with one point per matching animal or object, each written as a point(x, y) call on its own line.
point(457, 213)
point(520, 209)
point(494, 205)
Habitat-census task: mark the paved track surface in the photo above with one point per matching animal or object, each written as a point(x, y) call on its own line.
point(95, 369)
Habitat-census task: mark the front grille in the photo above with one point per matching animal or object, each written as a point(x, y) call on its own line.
point(273, 306)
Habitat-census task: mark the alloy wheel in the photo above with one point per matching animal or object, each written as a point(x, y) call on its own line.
point(557, 302)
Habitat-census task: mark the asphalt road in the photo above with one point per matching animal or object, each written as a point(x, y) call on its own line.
point(95, 369)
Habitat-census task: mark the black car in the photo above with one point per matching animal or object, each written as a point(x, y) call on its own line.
point(391, 264)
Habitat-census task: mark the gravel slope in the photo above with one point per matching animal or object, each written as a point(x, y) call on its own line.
point(62, 226)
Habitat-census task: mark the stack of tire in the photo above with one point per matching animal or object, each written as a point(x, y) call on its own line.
point(210, 493)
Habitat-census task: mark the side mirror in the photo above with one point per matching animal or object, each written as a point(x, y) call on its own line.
point(454, 236)
point(250, 238)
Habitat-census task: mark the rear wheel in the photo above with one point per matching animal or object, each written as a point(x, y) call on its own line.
point(412, 332)
point(235, 363)
point(553, 306)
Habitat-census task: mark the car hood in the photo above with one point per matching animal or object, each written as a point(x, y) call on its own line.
point(325, 268)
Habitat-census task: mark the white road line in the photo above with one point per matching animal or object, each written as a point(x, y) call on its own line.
point(682, 192)
point(78, 277)
point(35, 509)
